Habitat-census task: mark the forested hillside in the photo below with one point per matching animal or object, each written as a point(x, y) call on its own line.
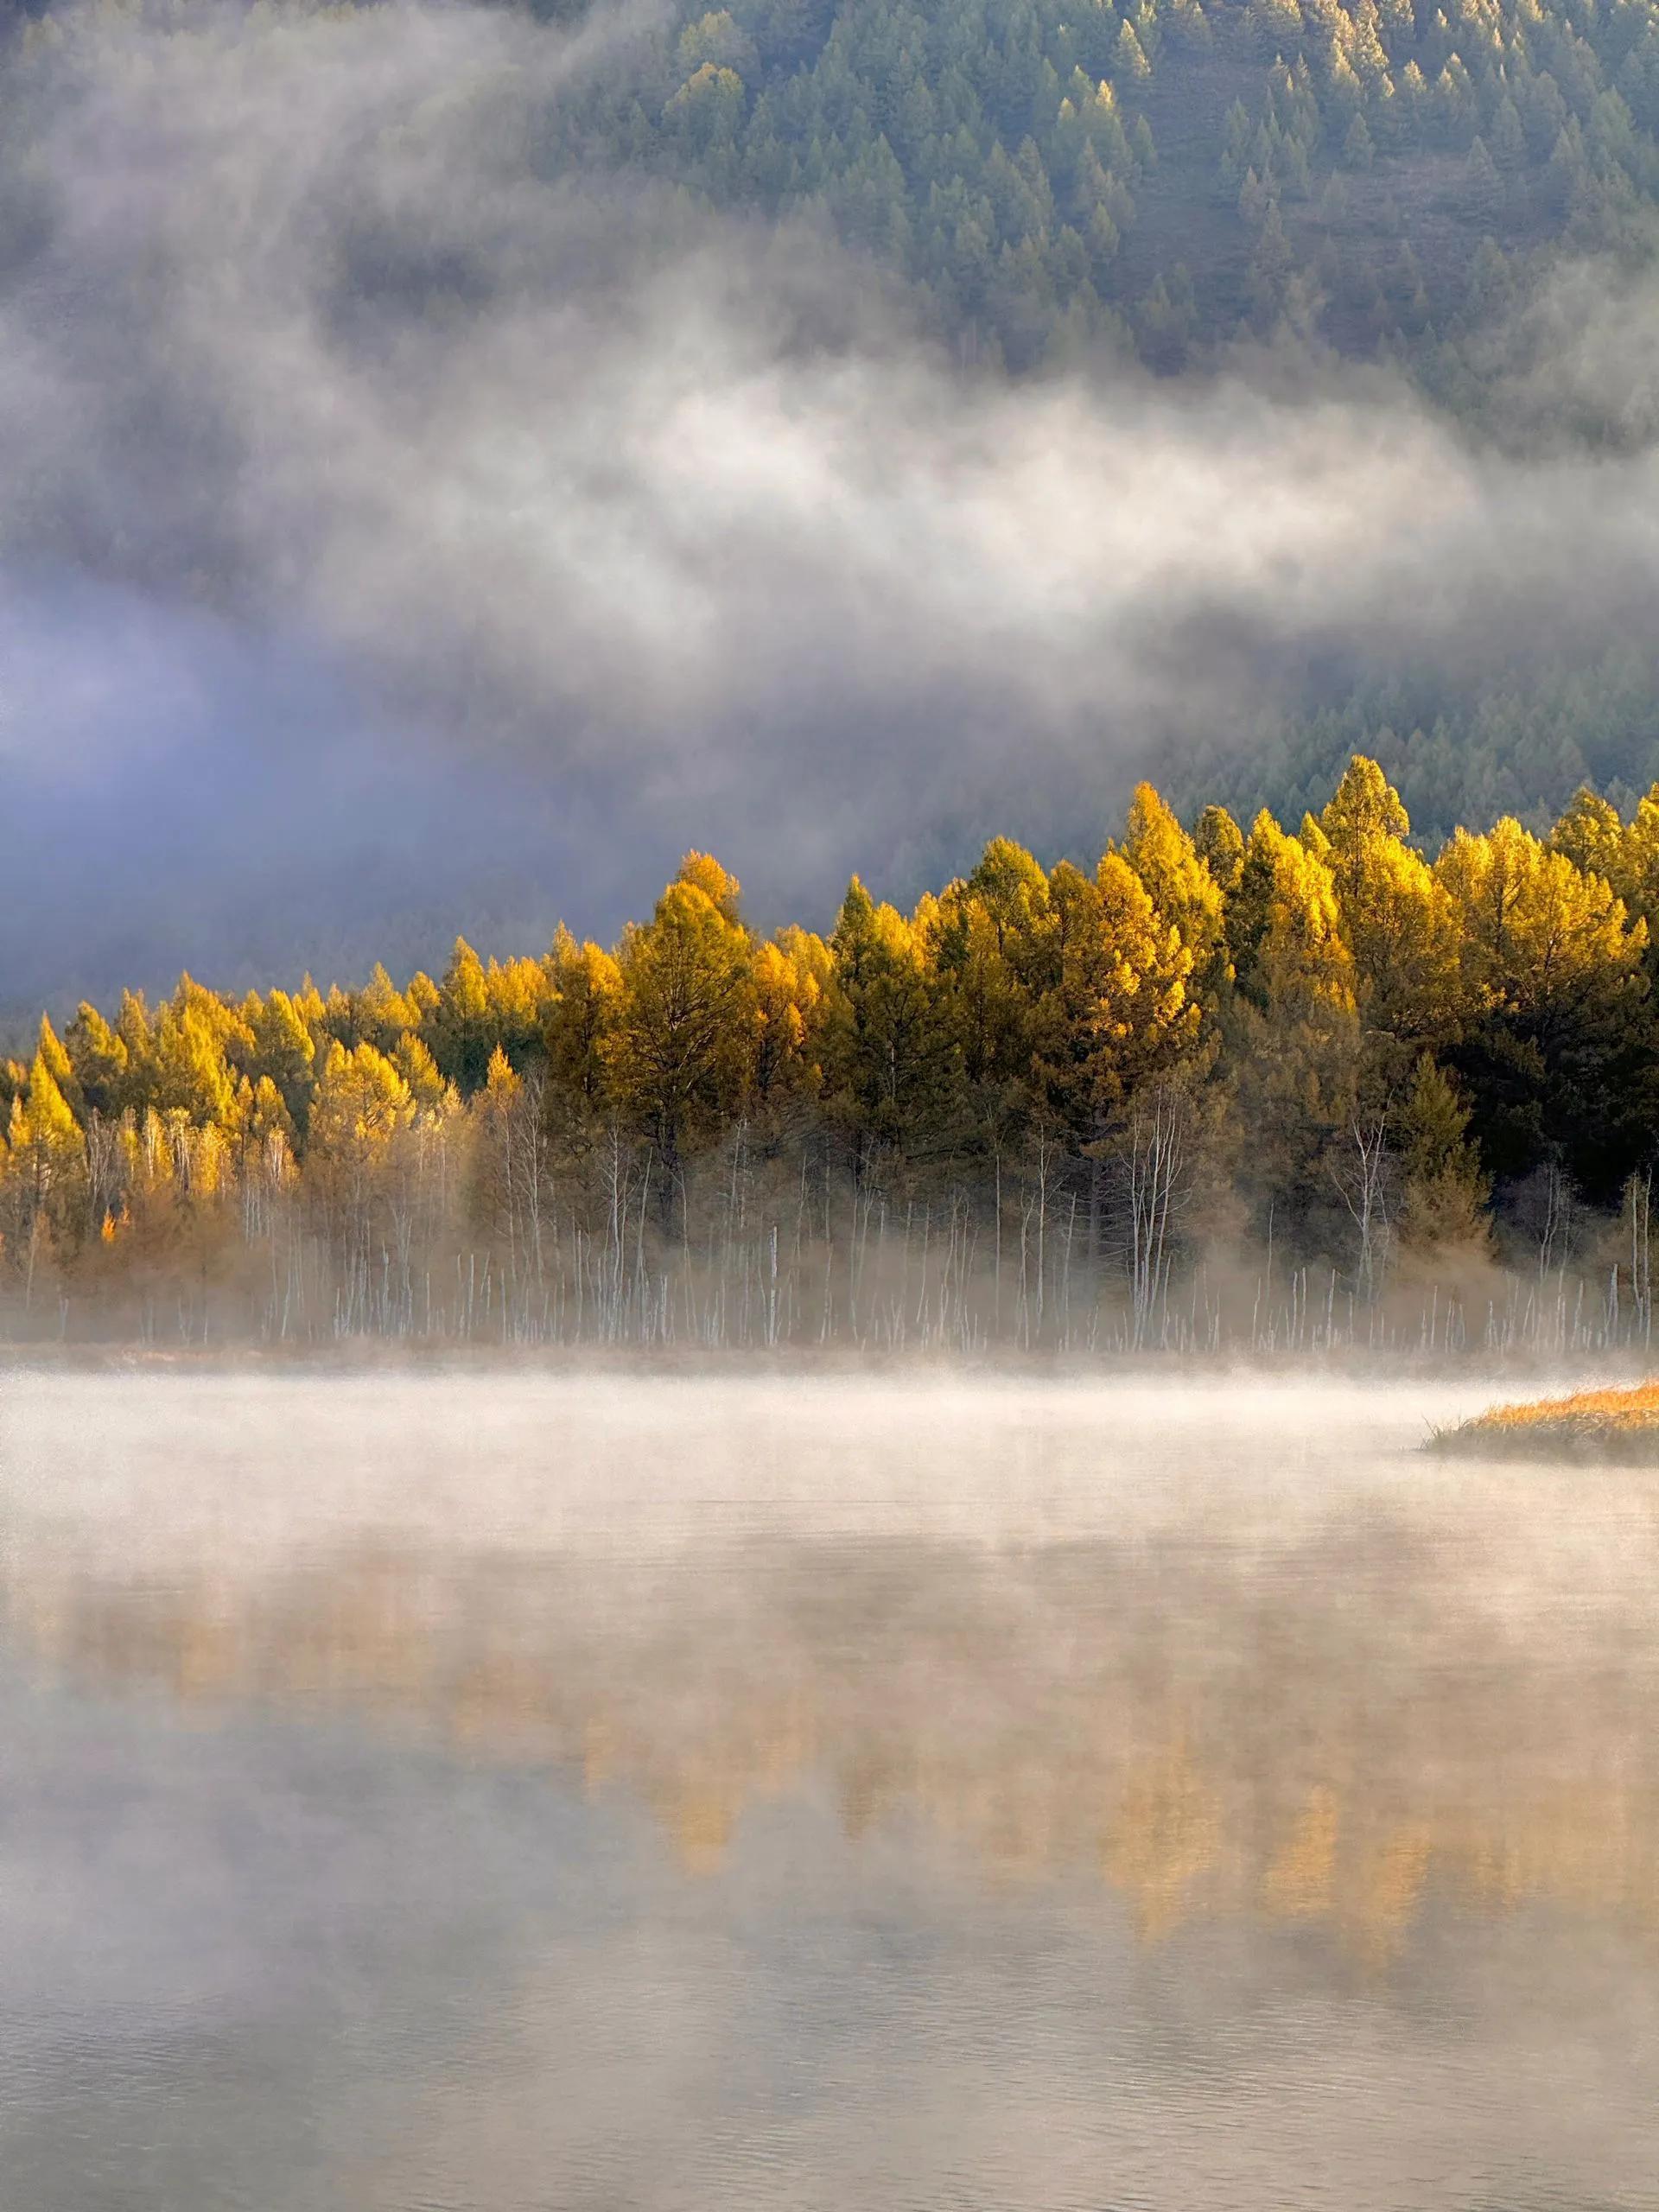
point(1061, 185)
point(1521, 746)
point(819, 431)
point(1050, 174)
point(1226, 1087)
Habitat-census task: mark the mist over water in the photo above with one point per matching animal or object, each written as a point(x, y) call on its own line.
point(509, 1790)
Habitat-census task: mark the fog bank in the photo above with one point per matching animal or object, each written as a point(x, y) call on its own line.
point(398, 536)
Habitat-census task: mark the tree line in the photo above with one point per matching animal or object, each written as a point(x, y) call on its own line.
point(1048, 1105)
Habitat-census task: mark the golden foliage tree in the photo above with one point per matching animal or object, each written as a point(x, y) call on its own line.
point(1397, 920)
point(680, 1053)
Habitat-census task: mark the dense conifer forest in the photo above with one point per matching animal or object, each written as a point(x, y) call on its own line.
point(1062, 186)
point(1274, 1087)
point(1050, 175)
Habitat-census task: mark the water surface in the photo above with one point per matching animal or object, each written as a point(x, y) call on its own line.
point(500, 1791)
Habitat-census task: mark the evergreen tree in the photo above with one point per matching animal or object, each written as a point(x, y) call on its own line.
point(890, 1060)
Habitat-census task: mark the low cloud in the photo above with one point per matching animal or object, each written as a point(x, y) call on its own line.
point(399, 538)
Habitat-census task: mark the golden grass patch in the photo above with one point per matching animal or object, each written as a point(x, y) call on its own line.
point(1611, 1424)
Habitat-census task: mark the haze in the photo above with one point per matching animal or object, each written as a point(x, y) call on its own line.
point(513, 1790)
point(396, 540)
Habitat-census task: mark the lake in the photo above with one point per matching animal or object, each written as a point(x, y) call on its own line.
point(428, 1789)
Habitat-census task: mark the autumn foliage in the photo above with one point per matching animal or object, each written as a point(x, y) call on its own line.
point(1040, 1104)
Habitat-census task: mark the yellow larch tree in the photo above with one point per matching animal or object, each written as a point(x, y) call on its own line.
point(361, 1109)
point(791, 976)
point(1121, 1013)
point(1397, 920)
point(584, 991)
point(1536, 933)
point(1182, 886)
point(283, 1050)
point(679, 1057)
point(994, 951)
point(45, 1185)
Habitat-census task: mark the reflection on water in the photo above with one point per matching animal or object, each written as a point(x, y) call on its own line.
point(498, 1792)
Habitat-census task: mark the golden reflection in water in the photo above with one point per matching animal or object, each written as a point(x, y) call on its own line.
point(1169, 1831)
point(1322, 1739)
point(1299, 1880)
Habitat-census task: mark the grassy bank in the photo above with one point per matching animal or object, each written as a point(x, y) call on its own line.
point(1617, 1425)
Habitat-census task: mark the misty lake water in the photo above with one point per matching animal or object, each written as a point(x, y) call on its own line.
point(510, 1790)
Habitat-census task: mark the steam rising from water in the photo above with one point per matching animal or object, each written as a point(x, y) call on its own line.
point(158, 1464)
point(516, 1789)
point(529, 520)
